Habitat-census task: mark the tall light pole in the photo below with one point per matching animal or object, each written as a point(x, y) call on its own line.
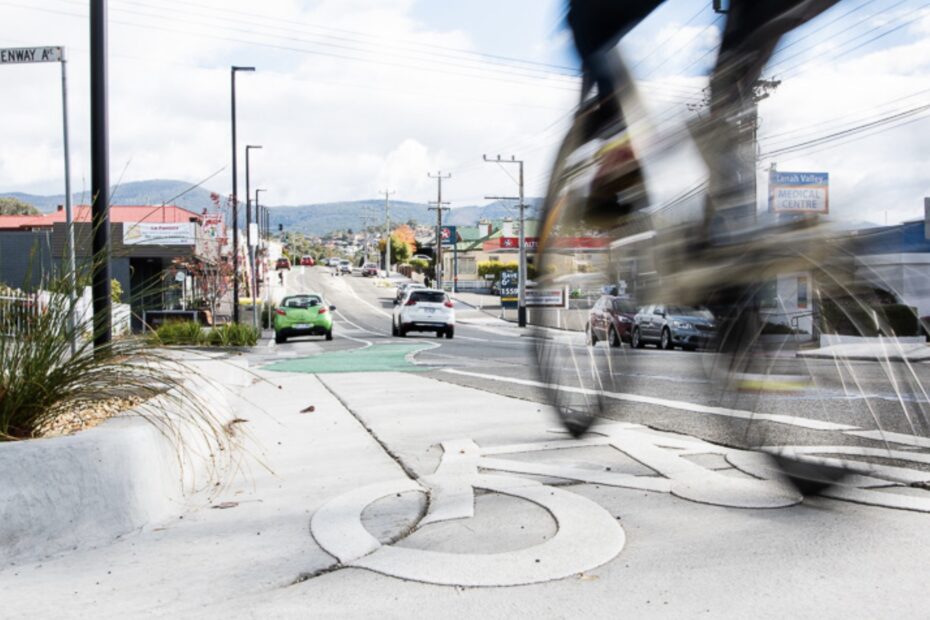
point(100, 174)
point(521, 295)
point(260, 217)
point(260, 225)
point(235, 196)
point(250, 234)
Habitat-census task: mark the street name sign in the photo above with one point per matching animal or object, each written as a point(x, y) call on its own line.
point(24, 55)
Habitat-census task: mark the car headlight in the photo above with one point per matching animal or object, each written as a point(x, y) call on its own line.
point(624, 319)
point(681, 324)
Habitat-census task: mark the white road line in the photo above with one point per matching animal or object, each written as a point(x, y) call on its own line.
point(901, 438)
point(671, 404)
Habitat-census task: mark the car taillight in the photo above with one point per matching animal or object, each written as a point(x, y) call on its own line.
point(410, 303)
point(279, 311)
point(448, 304)
point(323, 310)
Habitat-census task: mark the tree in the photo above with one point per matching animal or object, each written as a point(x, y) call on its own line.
point(211, 281)
point(15, 206)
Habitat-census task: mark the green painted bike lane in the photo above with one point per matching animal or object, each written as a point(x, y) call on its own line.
point(376, 358)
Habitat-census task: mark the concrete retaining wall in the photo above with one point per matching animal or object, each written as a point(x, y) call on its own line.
point(79, 491)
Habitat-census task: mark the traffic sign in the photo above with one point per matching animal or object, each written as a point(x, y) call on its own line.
point(23, 55)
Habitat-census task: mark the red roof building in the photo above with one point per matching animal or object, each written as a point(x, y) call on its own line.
point(168, 214)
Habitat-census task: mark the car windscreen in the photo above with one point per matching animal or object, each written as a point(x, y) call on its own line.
point(700, 313)
point(624, 306)
point(428, 296)
point(301, 302)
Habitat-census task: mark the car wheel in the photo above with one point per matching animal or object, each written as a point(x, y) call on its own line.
point(613, 338)
point(450, 332)
point(589, 338)
point(402, 331)
point(690, 348)
point(329, 334)
point(440, 333)
point(665, 340)
point(636, 341)
point(279, 339)
point(393, 328)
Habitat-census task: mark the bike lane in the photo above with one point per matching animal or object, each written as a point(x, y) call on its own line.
point(649, 523)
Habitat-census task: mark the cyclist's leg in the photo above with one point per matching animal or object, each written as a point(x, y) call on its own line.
point(596, 27)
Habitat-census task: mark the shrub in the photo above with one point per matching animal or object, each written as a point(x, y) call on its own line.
point(232, 335)
point(41, 377)
point(180, 333)
point(419, 264)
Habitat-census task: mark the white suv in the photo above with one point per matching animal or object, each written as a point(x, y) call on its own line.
point(424, 310)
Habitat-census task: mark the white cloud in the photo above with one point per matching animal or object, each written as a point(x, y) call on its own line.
point(332, 129)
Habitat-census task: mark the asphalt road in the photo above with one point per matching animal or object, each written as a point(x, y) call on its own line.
point(399, 477)
point(880, 399)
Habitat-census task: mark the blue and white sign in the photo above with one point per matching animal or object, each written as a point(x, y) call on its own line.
point(799, 192)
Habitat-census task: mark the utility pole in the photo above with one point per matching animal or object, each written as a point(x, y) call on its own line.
point(521, 295)
point(251, 236)
point(437, 259)
point(387, 231)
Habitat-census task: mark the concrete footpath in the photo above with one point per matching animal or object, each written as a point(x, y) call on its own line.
point(401, 495)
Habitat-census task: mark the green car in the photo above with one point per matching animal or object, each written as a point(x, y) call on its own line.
point(303, 315)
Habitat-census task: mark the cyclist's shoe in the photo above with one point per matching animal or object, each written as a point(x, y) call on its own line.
point(809, 478)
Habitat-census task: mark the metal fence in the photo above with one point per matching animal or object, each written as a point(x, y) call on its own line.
point(18, 312)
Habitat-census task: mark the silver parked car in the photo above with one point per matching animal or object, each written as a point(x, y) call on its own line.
point(669, 326)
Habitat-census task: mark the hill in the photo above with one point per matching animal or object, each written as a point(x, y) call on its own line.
point(312, 219)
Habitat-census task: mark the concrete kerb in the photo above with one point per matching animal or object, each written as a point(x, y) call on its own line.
point(900, 349)
point(83, 490)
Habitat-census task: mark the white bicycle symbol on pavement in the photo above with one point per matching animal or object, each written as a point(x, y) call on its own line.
point(587, 536)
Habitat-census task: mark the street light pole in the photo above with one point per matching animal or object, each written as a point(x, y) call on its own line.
point(250, 239)
point(100, 174)
point(521, 295)
point(235, 196)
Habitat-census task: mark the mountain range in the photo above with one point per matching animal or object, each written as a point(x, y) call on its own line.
point(310, 219)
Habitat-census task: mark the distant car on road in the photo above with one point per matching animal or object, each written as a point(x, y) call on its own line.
point(307, 261)
point(369, 270)
point(345, 266)
point(404, 287)
point(670, 326)
point(303, 315)
point(424, 310)
point(333, 262)
point(610, 319)
point(282, 263)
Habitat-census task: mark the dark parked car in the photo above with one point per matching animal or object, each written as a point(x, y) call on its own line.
point(671, 326)
point(282, 263)
point(307, 261)
point(610, 319)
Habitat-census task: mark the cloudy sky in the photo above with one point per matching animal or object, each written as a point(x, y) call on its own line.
point(355, 96)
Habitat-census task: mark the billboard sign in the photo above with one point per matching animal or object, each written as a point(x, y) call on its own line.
point(799, 192)
point(510, 283)
point(144, 233)
point(513, 243)
point(448, 235)
point(546, 298)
